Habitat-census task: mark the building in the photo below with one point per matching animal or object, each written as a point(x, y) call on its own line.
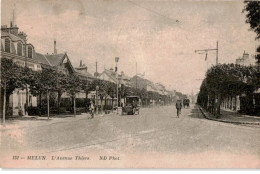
point(62, 63)
point(243, 102)
point(246, 60)
point(139, 82)
point(111, 76)
point(82, 70)
point(14, 46)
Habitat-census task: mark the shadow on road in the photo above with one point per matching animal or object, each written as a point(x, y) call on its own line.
point(195, 113)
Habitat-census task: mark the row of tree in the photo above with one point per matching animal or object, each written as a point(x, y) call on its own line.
point(227, 80)
point(50, 80)
point(252, 10)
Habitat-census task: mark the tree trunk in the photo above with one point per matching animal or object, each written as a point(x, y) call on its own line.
point(26, 101)
point(7, 101)
point(113, 103)
point(59, 101)
point(4, 106)
point(40, 103)
point(101, 99)
point(48, 104)
point(74, 105)
point(218, 105)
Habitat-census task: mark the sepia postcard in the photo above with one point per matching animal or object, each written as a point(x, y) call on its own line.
point(130, 84)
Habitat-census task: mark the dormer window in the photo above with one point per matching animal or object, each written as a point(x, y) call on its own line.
point(30, 51)
point(19, 49)
point(7, 45)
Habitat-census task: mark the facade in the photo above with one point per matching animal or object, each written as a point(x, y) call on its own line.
point(243, 102)
point(82, 71)
point(141, 83)
point(14, 46)
point(111, 76)
point(246, 60)
point(62, 63)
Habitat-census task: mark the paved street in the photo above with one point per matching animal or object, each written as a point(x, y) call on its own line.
point(155, 130)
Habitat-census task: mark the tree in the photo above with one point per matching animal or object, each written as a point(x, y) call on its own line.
point(11, 78)
point(44, 82)
point(227, 80)
point(73, 85)
point(252, 10)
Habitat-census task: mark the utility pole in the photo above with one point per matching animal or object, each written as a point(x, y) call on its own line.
point(136, 76)
point(96, 69)
point(116, 60)
point(207, 50)
point(217, 54)
point(97, 88)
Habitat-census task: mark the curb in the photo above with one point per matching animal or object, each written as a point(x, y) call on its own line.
point(204, 113)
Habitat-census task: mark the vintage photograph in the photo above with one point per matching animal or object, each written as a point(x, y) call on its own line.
point(130, 84)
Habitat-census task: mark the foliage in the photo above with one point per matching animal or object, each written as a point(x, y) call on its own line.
point(232, 79)
point(49, 79)
point(252, 10)
point(12, 75)
point(229, 80)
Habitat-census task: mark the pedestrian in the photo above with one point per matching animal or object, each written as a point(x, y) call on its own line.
point(91, 109)
point(178, 107)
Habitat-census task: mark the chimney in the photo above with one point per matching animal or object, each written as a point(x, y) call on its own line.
point(22, 35)
point(55, 50)
point(80, 63)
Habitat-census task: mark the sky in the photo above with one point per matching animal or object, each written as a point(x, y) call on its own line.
point(159, 36)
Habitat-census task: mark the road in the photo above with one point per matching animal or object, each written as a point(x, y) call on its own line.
point(140, 140)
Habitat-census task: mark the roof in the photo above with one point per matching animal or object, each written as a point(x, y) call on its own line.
point(125, 77)
point(55, 59)
point(132, 96)
point(50, 59)
point(12, 36)
point(42, 59)
point(84, 73)
point(110, 73)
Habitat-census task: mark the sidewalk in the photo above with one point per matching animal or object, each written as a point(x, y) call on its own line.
point(232, 117)
point(35, 121)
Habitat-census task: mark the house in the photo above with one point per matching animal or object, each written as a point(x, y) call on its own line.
point(82, 71)
point(246, 60)
point(139, 82)
point(14, 46)
point(62, 63)
point(243, 103)
point(108, 75)
point(111, 76)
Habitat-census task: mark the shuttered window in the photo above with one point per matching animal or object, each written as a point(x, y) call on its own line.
point(19, 49)
point(7, 45)
point(30, 50)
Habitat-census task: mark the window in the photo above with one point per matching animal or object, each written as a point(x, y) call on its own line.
point(19, 49)
point(30, 50)
point(7, 45)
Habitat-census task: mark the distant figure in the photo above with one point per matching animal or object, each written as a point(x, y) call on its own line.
point(91, 109)
point(178, 107)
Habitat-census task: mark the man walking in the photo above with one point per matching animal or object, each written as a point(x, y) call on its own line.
point(91, 109)
point(178, 107)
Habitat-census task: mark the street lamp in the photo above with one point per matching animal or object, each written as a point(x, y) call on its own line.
point(116, 60)
point(97, 88)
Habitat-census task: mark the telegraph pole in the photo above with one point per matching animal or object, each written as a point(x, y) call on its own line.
point(217, 54)
point(207, 50)
point(136, 75)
